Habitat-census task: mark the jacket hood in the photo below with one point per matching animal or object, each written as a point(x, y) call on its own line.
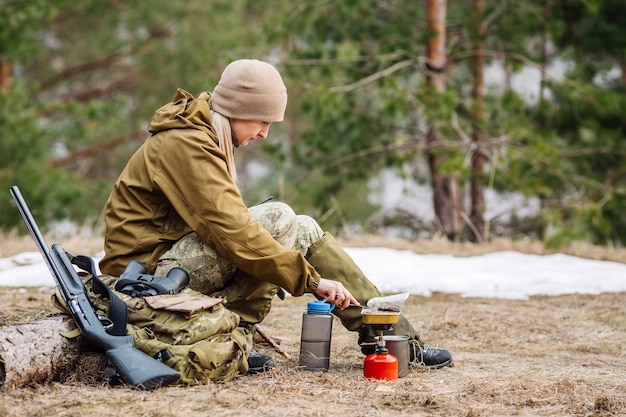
point(184, 112)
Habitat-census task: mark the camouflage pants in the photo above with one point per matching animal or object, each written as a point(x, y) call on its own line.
point(209, 272)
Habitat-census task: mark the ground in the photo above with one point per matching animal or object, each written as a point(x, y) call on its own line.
point(548, 356)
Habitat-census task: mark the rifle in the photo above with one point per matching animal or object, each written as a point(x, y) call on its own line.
point(135, 367)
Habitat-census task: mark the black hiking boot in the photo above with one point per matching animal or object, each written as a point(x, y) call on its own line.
point(428, 357)
point(258, 363)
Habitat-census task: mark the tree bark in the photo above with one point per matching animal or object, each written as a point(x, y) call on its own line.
point(36, 352)
point(447, 197)
point(5, 75)
point(477, 192)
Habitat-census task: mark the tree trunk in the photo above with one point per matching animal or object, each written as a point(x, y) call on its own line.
point(447, 198)
point(477, 180)
point(5, 76)
point(36, 352)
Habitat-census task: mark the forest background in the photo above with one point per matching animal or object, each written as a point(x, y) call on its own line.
point(374, 87)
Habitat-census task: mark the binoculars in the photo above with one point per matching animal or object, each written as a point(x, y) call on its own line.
point(136, 282)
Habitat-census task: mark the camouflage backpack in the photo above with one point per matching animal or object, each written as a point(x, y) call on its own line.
point(190, 332)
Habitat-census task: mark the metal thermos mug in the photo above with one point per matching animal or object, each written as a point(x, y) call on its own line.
point(317, 327)
point(398, 346)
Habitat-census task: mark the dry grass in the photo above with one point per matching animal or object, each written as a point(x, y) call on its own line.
point(548, 356)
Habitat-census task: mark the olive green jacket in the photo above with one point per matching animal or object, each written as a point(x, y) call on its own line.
point(176, 183)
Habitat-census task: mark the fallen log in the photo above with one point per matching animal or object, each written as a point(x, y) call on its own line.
point(36, 352)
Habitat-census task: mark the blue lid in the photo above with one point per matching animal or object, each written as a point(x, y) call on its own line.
point(319, 306)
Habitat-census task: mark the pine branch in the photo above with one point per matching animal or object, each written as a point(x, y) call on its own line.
point(98, 148)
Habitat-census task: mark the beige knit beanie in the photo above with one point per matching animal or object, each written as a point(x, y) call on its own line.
point(250, 90)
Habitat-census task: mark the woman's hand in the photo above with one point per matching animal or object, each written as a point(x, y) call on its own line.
point(335, 293)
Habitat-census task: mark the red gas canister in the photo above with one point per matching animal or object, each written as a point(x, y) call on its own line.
point(381, 365)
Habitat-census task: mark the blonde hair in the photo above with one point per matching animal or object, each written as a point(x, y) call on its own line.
point(225, 138)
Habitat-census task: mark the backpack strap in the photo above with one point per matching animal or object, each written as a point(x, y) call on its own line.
point(118, 312)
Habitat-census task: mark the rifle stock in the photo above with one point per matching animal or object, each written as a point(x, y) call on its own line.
point(135, 367)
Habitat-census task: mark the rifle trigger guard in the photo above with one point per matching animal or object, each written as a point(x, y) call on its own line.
point(107, 323)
